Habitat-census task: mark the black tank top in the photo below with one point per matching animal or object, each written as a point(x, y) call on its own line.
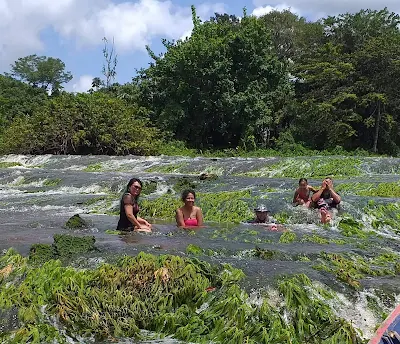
point(124, 222)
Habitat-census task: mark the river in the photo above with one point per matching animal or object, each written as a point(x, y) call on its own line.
point(38, 194)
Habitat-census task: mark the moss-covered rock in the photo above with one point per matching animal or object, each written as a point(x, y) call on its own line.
point(41, 253)
point(76, 222)
point(68, 245)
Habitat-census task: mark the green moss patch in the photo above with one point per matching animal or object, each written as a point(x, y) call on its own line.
point(76, 222)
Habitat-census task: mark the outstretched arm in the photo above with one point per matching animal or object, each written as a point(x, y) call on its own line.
point(312, 189)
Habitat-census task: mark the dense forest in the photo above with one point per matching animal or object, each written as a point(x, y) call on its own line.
point(276, 82)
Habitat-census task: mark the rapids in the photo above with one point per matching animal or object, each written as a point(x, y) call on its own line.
point(38, 194)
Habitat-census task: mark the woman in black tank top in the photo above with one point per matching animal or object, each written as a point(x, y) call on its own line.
point(129, 208)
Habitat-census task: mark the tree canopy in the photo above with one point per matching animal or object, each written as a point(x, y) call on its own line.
point(277, 81)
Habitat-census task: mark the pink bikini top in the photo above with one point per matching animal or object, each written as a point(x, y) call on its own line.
point(191, 222)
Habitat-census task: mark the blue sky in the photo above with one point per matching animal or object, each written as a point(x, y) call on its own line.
point(72, 30)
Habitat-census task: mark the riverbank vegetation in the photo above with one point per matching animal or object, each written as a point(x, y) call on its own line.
point(252, 86)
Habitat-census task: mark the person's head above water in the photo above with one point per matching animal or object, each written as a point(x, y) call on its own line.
point(134, 187)
point(328, 181)
point(261, 213)
point(188, 197)
point(303, 183)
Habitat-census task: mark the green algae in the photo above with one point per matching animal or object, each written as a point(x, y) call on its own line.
point(288, 237)
point(76, 222)
point(94, 168)
point(351, 268)
point(386, 189)
point(52, 182)
point(7, 164)
point(195, 250)
point(220, 207)
point(189, 299)
point(168, 168)
point(41, 253)
point(311, 168)
point(383, 216)
point(112, 232)
point(64, 247)
point(351, 227)
point(317, 239)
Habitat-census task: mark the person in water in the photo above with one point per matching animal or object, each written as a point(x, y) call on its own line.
point(302, 195)
point(326, 199)
point(129, 209)
point(189, 215)
point(262, 218)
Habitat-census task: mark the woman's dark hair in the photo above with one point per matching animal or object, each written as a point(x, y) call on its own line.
point(133, 180)
point(185, 193)
point(303, 180)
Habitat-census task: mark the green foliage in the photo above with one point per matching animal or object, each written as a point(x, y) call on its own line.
point(351, 268)
point(167, 294)
point(315, 239)
point(384, 216)
point(80, 124)
point(47, 73)
point(193, 249)
point(68, 245)
point(6, 164)
point(287, 237)
point(41, 253)
point(228, 207)
point(94, 168)
point(52, 182)
point(17, 99)
point(76, 222)
point(228, 79)
point(387, 189)
point(311, 167)
point(352, 228)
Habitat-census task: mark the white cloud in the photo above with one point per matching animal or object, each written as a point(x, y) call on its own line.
point(82, 84)
point(316, 9)
point(262, 10)
point(131, 24)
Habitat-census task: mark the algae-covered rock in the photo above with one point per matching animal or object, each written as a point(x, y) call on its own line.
point(41, 253)
point(67, 245)
point(208, 176)
point(76, 222)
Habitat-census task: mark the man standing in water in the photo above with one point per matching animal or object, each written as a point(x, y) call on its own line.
point(325, 199)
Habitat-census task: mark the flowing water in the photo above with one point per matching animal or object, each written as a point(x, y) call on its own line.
point(38, 194)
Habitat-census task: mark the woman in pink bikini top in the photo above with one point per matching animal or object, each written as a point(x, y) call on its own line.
point(189, 215)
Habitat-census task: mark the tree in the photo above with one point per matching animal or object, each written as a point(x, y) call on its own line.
point(110, 64)
point(47, 73)
point(82, 124)
point(18, 99)
point(220, 87)
point(347, 87)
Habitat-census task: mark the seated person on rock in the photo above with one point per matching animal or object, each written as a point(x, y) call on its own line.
point(129, 208)
point(326, 199)
point(189, 215)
